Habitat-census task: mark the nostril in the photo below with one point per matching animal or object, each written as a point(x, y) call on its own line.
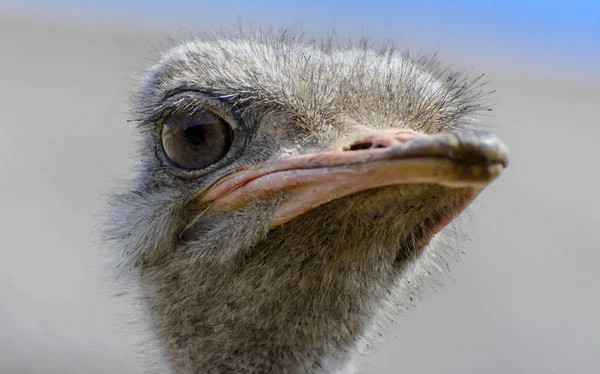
point(361, 145)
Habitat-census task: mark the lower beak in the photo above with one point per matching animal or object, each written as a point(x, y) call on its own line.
point(454, 159)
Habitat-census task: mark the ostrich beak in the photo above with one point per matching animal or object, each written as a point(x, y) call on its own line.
point(365, 160)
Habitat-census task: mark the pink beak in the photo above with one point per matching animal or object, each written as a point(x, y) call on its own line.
point(364, 160)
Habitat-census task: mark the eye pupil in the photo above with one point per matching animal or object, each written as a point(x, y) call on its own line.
point(195, 134)
point(195, 141)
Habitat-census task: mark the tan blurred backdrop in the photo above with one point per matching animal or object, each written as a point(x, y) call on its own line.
point(525, 297)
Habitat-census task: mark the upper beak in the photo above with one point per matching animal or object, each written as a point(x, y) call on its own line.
point(364, 160)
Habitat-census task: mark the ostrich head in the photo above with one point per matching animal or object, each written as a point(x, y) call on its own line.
point(289, 195)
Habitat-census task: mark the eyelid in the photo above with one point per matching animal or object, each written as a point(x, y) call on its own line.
point(191, 100)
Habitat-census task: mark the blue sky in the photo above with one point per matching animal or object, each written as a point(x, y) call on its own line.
point(556, 33)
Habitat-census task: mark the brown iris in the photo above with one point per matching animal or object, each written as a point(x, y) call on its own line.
point(197, 140)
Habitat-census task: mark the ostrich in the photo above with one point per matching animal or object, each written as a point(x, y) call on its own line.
point(292, 194)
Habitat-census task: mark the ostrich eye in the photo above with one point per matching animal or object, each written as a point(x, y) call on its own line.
point(195, 141)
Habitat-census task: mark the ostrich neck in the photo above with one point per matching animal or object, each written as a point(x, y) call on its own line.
point(272, 319)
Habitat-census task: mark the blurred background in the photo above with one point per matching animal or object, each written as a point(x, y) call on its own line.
point(525, 297)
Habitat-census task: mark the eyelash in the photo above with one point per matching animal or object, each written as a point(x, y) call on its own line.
point(192, 101)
